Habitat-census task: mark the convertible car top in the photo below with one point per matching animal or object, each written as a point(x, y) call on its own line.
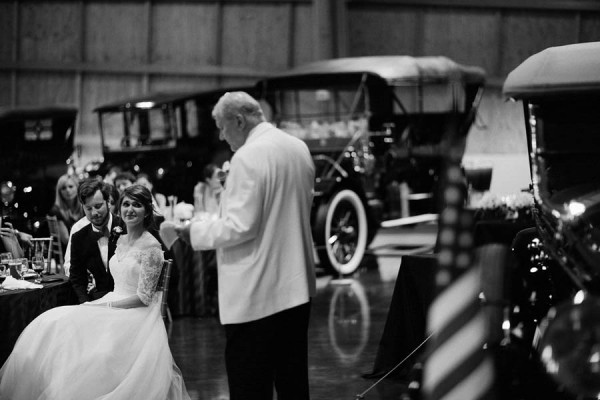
point(394, 70)
point(554, 72)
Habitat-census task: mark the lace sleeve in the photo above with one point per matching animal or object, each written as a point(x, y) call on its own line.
point(151, 264)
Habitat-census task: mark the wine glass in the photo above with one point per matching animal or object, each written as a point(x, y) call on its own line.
point(4, 259)
point(22, 265)
point(38, 266)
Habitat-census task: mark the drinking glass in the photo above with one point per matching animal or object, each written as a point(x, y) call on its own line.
point(13, 264)
point(22, 267)
point(38, 266)
point(4, 259)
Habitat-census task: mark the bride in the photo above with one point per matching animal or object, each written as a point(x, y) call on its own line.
point(115, 347)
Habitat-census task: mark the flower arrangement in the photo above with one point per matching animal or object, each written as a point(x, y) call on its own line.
point(514, 206)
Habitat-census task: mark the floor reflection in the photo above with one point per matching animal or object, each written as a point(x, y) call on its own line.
point(347, 320)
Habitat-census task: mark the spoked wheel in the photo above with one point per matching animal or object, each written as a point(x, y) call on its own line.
point(341, 233)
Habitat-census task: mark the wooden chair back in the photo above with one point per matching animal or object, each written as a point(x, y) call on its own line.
point(163, 286)
point(56, 243)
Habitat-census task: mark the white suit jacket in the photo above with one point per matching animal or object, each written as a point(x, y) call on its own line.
point(263, 236)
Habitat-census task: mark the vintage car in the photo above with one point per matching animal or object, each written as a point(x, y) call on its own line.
point(552, 345)
point(373, 126)
point(169, 136)
point(37, 148)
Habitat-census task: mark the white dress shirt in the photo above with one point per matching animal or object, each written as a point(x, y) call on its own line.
point(262, 235)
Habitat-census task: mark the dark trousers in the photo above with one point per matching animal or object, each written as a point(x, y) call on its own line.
point(269, 352)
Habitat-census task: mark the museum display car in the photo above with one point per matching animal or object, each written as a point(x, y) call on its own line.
point(169, 136)
point(373, 126)
point(552, 326)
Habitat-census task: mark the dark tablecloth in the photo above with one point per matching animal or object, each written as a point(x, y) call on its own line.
point(499, 231)
point(19, 307)
point(413, 293)
point(406, 321)
point(195, 293)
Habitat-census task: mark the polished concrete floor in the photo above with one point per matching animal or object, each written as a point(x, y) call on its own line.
point(348, 317)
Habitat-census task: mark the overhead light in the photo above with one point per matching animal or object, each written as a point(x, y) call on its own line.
point(145, 104)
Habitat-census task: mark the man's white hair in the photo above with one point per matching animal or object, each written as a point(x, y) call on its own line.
point(232, 103)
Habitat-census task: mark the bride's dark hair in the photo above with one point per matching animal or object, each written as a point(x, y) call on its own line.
point(141, 194)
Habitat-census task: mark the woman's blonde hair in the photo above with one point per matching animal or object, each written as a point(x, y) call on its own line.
point(69, 210)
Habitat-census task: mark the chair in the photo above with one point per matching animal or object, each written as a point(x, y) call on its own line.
point(42, 245)
point(56, 243)
point(163, 285)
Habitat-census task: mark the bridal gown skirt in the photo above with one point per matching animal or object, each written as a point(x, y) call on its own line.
point(86, 352)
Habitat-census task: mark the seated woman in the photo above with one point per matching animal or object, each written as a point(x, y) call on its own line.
point(159, 200)
point(66, 208)
point(115, 347)
point(207, 193)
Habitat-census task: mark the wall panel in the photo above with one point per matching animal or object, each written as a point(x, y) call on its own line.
point(5, 89)
point(184, 33)
point(302, 35)
point(590, 27)
point(170, 83)
point(467, 37)
point(101, 89)
point(116, 32)
point(526, 33)
point(383, 30)
point(232, 81)
point(8, 23)
point(43, 88)
point(499, 127)
point(256, 35)
point(49, 32)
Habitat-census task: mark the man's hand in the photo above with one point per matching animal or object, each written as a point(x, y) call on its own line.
point(183, 231)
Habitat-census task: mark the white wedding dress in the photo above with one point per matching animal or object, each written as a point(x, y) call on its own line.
point(91, 352)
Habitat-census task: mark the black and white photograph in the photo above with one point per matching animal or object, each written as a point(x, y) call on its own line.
point(299, 199)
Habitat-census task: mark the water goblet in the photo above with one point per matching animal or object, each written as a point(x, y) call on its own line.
point(4, 259)
point(13, 264)
point(22, 265)
point(38, 266)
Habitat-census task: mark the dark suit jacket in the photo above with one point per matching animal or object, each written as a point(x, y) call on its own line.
point(85, 256)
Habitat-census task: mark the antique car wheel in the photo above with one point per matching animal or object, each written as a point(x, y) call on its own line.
point(341, 233)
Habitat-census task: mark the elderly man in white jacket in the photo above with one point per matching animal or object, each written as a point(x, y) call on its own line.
point(264, 253)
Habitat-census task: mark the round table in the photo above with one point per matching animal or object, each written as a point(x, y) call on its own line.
point(19, 307)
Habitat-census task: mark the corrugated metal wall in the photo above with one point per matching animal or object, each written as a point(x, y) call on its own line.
point(86, 53)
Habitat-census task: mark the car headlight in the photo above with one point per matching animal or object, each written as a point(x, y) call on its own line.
point(570, 345)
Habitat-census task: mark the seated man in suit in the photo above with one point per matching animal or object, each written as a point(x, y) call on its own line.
point(94, 244)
